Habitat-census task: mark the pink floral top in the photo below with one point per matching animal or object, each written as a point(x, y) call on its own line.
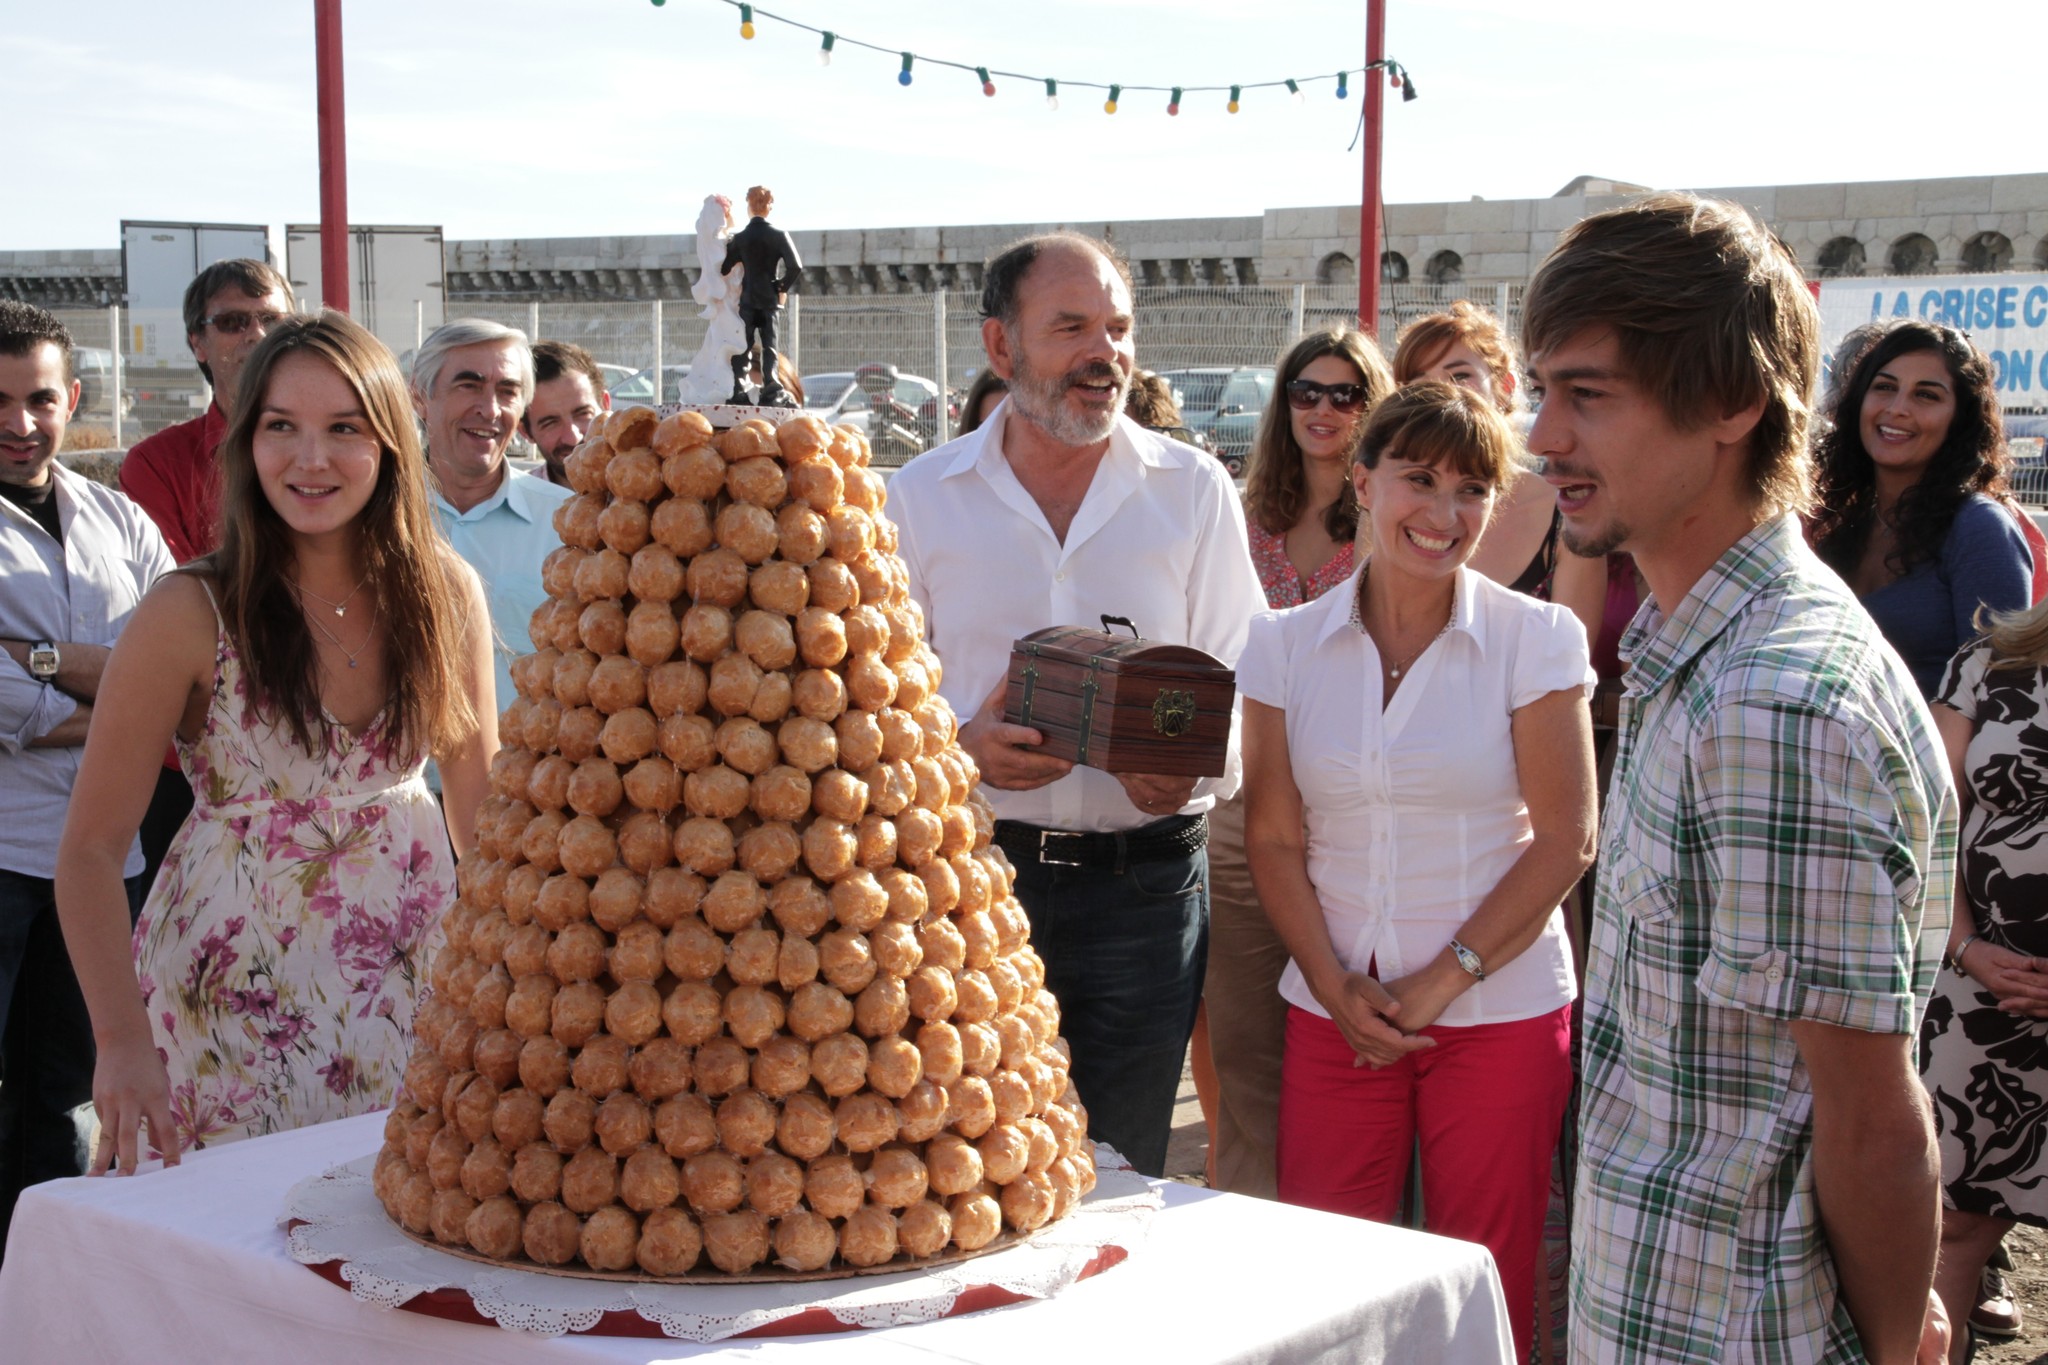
point(1277, 575)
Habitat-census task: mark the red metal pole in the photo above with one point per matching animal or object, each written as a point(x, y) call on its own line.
point(1369, 206)
point(333, 156)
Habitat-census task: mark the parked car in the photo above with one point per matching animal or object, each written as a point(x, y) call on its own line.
point(639, 387)
point(1223, 403)
point(614, 375)
point(836, 398)
point(94, 367)
point(2026, 440)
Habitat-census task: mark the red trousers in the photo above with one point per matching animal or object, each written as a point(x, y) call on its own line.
point(1487, 1102)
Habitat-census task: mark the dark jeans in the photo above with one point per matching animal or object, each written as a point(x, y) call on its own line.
point(162, 821)
point(760, 322)
point(1124, 955)
point(47, 1043)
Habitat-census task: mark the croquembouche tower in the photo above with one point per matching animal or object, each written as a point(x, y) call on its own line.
point(735, 983)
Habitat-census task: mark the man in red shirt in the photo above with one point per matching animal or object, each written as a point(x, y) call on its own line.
point(229, 306)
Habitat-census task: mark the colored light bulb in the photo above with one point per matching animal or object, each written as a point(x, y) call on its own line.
point(1173, 105)
point(825, 50)
point(988, 87)
point(1052, 93)
point(1235, 91)
point(746, 21)
point(1343, 85)
point(903, 76)
point(1295, 91)
point(1109, 105)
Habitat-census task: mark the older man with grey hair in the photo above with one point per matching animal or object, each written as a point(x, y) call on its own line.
point(471, 381)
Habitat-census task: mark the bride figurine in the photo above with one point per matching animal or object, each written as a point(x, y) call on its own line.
point(719, 292)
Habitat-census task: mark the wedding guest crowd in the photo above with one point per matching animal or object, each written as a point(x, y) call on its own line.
point(1792, 1141)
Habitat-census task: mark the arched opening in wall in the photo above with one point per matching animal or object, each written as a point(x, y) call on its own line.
point(1393, 268)
point(1986, 252)
point(1446, 267)
point(1841, 256)
point(1912, 254)
point(1337, 268)
point(2041, 254)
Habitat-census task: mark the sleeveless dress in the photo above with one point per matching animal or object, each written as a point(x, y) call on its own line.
point(285, 943)
point(1987, 1070)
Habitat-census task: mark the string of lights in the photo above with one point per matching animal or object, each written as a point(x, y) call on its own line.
point(829, 40)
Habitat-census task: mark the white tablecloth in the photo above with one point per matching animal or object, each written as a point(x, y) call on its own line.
point(190, 1264)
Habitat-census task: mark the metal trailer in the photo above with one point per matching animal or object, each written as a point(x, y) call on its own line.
point(395, 279)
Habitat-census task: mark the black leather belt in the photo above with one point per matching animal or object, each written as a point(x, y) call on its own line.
point(1177, 836)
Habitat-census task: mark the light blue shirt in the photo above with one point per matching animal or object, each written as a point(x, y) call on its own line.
point(83, 592)
point(504, 538)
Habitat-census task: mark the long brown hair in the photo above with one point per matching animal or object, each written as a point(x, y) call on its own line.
point(422, 595)
point(1275, 488)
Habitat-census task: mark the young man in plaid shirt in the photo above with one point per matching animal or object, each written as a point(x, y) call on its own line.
point(1758, 1177)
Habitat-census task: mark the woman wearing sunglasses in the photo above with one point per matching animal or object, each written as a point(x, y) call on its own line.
point(1302, 522)
point(1419, 800)
point(1909, 482)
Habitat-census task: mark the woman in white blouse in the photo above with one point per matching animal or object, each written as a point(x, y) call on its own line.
point(1419, 784)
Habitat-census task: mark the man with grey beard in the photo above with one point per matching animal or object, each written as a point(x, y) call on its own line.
point(1060, 510)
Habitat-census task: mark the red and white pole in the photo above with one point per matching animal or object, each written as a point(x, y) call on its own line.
point(334, 290)
point(1369, 206)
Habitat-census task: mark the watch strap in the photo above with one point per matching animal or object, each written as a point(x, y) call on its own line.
point(1469, 960)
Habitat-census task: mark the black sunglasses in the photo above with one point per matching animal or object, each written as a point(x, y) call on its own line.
point(239, 320)
point(1303, 393)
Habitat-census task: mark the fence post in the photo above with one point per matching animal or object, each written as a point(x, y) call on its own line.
point(1500, 308)
point(114, 334)
point(657, 353)
point(1300, 312)
point(796, 333)
point(943, 430)
point(419, 325)
point(533, 322)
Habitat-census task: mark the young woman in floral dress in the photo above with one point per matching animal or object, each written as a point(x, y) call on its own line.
point(307, 670)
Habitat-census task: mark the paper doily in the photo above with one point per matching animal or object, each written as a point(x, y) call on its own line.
point(335, 1218)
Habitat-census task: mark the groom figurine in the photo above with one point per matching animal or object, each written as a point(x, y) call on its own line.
point(761, 247)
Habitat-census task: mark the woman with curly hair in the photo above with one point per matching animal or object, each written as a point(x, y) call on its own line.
point(1909, 481)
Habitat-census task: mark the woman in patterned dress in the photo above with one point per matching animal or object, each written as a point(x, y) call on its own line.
point(1984, 1045)
point(306, 671)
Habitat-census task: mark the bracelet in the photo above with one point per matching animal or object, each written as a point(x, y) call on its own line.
point(1955, 959)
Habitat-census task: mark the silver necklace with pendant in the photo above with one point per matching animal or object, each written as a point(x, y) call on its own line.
point(1358, 619)
point(338, 608)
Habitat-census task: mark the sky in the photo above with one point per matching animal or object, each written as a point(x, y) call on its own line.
point(557, 118)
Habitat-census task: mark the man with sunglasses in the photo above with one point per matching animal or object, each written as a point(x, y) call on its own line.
point(229, 306)
point(1058, 510)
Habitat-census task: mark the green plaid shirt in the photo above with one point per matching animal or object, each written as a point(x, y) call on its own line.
point(1780, 846)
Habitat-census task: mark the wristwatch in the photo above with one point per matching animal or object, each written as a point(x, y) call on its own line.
point(43, 660)
point(1469, 960)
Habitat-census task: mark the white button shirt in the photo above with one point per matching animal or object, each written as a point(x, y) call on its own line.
point(82, 591)
point(1414, 813)
point(1159, 538)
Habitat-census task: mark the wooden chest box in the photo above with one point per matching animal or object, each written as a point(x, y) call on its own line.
point(1120, 703)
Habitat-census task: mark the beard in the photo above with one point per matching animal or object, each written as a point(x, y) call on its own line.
point(1041, 400)
point(1596, 544)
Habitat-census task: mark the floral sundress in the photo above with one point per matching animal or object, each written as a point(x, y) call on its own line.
point(285, 944)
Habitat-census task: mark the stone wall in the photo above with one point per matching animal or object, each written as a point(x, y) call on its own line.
point(1970, 223)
